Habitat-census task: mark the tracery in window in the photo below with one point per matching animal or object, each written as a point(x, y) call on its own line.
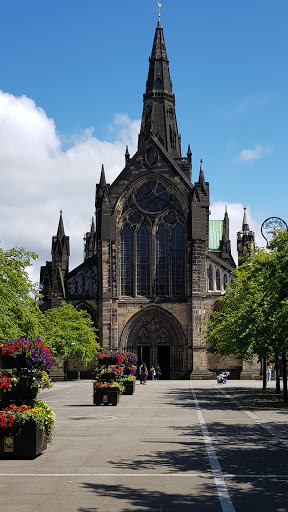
point(72, 286)
point(152, 196)
point(86, 281)
point(80, 284)
point(146, 252)
point(178, 261)
point(218, 284)
point(210, 277)
point(162, 262)
point(126, 238)
point(94, 280)
point(143, 261)
point(225, 281)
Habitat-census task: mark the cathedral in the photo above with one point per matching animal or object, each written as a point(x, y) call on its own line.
point(154, 264)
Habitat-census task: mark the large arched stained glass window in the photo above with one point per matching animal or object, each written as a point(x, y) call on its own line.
point(162, 262)
point(143, 261)
point(126, 260)
point(178, 261)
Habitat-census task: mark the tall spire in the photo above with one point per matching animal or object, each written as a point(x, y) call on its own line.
point(60, 231)
point(245, 225)
point(102, 177)
point(159, 117)
point(245, 240)
point(225, 235)
point(201, 173)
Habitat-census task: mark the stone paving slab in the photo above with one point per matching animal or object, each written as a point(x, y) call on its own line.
point(149, 453)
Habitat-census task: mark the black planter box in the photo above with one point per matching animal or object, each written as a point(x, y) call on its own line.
point(105, 397)
point(129, 388)
point(18, 395)
point(9, 396)
point(107, 361)
point(108, 377)
point(8, 362)
point(28, 442)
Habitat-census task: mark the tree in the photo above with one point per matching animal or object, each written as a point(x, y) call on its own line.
point(67, 332)
point(19, 312)
point(254, 313)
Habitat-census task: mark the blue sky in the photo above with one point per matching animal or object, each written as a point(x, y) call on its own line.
point(72, 79)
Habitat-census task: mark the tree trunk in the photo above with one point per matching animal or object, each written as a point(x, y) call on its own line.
point(277, 369)
point(284, 364)
point(264, 373)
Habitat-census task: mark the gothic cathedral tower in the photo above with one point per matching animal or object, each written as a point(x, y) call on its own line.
point(153, 267)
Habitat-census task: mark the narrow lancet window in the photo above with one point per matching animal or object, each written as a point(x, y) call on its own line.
point(126, 260)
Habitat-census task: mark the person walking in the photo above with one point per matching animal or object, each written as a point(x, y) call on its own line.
point(143, 372)
point(158, 371)
point(153, 373)
point(268, 373)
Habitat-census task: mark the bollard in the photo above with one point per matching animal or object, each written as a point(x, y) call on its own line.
point(78, 376)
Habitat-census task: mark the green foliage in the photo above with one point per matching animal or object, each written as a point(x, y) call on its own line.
point(67, 332)
point(252, 317)
point(19, 312)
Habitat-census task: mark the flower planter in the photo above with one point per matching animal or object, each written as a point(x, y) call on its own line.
point(106, 361)
point(108, 377)
point(9, 396)
point(27, 442)
point(18, 395)
point(8, 362)
point(129, 388)
point(127, 372)
point(105, 397)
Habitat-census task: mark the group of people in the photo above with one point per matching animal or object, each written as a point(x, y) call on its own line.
point(155, 373)
point(222, 377)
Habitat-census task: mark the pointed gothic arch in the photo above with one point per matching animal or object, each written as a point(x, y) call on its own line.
point(84, 306)
point(161, 332)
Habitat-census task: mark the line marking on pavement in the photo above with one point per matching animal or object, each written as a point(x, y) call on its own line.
point(223, 494)
point(140, 475)
point(257, 420)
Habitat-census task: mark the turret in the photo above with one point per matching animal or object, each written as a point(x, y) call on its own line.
point(60, 264)
point(225, 244)
point(245, 240)
point(90, 241)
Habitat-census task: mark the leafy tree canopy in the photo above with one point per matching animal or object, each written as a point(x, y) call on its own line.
point(67, 332)
point(19, 312)
point(252, 317)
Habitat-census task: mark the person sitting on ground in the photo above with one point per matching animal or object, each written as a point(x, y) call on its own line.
point(225, 376)
point(221, 378)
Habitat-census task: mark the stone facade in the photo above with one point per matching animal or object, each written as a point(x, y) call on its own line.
point(150, 275)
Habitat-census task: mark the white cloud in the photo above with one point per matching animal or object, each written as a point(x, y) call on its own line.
point(235, 213)
point(38, 178)
point(253, 154)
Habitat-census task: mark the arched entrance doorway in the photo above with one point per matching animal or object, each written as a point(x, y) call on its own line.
point(157, 337)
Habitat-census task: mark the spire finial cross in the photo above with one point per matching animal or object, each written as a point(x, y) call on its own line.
point(159, 10)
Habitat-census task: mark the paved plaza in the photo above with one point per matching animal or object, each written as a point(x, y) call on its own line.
point(172, 446)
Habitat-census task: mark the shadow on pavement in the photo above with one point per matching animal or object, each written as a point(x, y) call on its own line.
point(242, 398)
point(141, 499)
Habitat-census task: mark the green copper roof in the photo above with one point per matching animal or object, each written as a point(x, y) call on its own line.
point(215, 234)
